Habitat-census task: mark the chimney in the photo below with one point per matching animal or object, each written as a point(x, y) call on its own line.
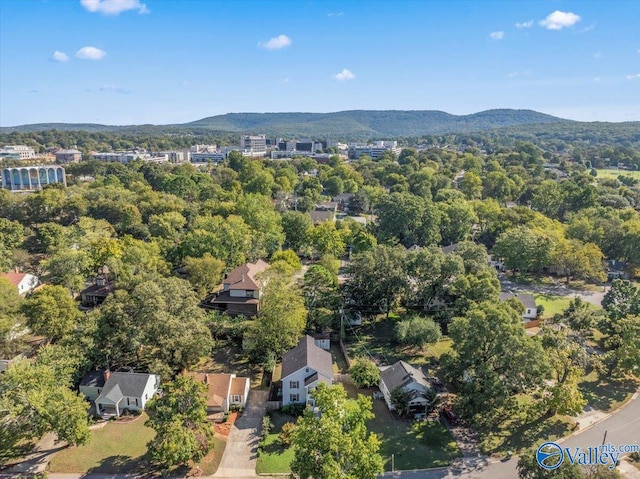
point(206, 378)
point(243, 277)
point(107, 373)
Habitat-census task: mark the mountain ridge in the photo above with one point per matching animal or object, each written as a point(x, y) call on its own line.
point(348, 123)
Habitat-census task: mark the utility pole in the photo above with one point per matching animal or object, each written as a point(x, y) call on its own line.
point(393, 464)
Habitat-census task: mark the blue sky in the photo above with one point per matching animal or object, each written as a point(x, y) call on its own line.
point(170, 61)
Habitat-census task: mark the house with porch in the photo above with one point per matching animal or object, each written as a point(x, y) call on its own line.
point(224, 391)
point(410, 379)
point(240, 292)
point(121, 391)
point(303, 368)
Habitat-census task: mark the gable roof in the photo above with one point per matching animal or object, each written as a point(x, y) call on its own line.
point(401, 374)
point(238, 385)
point(450, 249)
point(527, 299)
point(129, 384)
point(13, 278)
point(218, 387)
point(307, 354)
point(244, 277)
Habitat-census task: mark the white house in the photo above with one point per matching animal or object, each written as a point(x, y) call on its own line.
point(224, 391)
point(527, 300)
point(130, 391)
point(25, 282)
point(410, 379)
point(303, 368)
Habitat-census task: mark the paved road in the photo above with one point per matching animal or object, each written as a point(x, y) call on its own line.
point(559, 289)
point(622, 427)
point(241, 452)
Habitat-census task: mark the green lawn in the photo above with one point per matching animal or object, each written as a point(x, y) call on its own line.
point(605, 394)
point(114, 448)
point(554, 304)
point(614, 173)
point(378, 340)
point(415, 445)
point(520, 428)
point(274, 459)
point(119, 448)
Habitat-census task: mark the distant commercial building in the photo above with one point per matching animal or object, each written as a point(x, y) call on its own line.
point(175, 156)
point(374, 150)
point(216, 156)
point(125, 157)
point(68, 156)
point(32, 178)
point(253, 145)
point(302, 146)
point(17, 152)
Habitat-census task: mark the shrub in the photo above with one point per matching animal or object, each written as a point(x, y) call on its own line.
point(417, 331)
point(286, 434)
point(294, 409)
point(364, 373)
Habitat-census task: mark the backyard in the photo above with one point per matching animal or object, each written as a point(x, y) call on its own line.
point(119, 448)
point(377, 340)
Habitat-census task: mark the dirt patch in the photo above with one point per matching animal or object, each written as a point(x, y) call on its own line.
point(224, 428)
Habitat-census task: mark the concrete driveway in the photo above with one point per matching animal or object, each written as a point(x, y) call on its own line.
point(241, 452)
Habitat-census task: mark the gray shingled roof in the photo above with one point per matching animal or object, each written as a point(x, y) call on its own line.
point(129, 384)
point(400, 374)
point(307, 354)
point(527, 299)
point(93, 379)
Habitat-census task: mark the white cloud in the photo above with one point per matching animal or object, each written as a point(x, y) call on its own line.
point(597, 55)
point(335, 14)
point(91, 53)
point(596, 79)
point(59, 56)
point(633, 77)
point(284, 81)
point(559, 20)
point(524, 73)
point(512, 74)
point(496, 35)
point(344, 75)
point(528, 24)
point(113, 7)
point(276, 43)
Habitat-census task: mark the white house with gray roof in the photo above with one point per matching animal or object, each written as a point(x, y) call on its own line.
point(527, 300)
point(124, 391)
point(410, 379)
point(303, 368)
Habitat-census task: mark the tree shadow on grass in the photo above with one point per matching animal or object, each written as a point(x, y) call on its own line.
point(121, 464)
point(605, 394)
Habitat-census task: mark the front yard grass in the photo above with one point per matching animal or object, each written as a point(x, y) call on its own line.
point(275, 459)
point(521, 428)
point(120, 448)
point(555, 304)
point(114, 448)
point(415, 445)
point(604, 393)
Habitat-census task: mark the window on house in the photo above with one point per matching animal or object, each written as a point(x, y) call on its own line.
point(136, 401)
point(294, 384)
point(128, 402)
point(294, 398)
point(236, 398)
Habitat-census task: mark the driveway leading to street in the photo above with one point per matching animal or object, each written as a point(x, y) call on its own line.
point(241, 452)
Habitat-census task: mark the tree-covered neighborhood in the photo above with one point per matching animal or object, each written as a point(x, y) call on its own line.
point(404, 304)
